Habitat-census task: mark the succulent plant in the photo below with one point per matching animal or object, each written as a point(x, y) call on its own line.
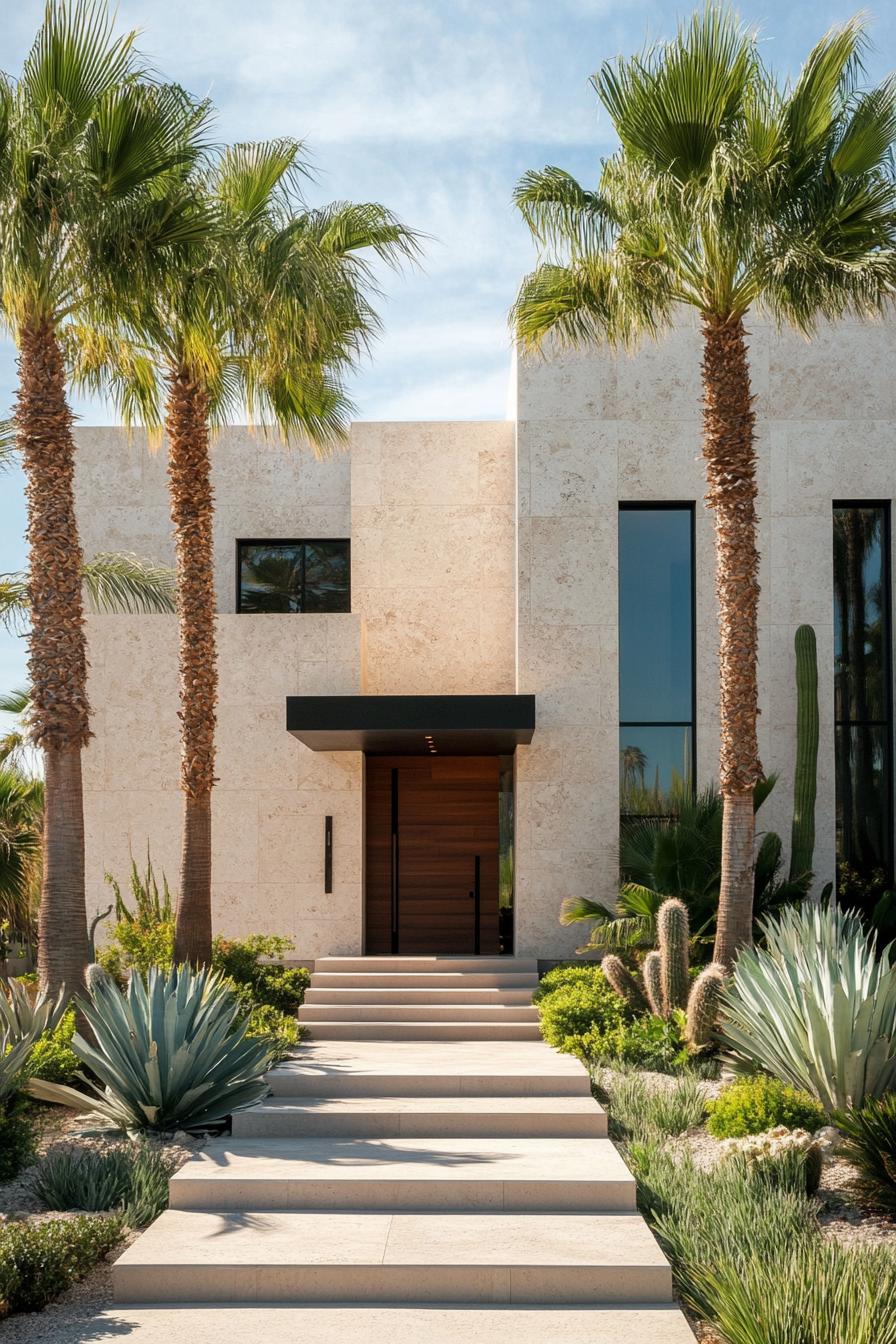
point(652, 974)
point(621, 979)
point(22, 1017)
point(672, 936)
point(815, 1007)
point(170, 1053)
point(704, 1005)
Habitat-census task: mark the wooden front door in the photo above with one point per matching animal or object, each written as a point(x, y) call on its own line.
point(432, 854)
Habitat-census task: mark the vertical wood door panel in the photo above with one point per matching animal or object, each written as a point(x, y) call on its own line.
point(447, 814)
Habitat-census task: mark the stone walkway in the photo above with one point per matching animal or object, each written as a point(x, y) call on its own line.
point(403, 1190)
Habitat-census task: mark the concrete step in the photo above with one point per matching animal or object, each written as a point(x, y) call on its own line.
point(417, 1012)
point(387, 1324)
point(423, 980)
point(519, 996)
point(367, 1030)
point(423, 1117)
point(428, 1069)
point(441, 965)
point(451, 1174)
point(373, 1257)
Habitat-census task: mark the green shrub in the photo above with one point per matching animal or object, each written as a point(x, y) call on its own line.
point(128, 1178)
point(260, 982)
point(569, 973)
point(144, 932)
point(647, 1111)
point(871, 1145)
point(573, 1010)
point(170, 1054)
point(16, 1137)
point(53, 1057)
point(647, 1042)
point(38, 1261)
point(759, 1104)
point(280, 1029)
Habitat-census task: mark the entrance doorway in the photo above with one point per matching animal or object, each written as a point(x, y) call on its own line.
point(433, 842)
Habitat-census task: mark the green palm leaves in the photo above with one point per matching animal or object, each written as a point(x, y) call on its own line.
point(728, 190)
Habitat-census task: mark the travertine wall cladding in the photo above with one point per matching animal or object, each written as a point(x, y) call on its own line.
point(263, 488)
point(272, 793)
point(433, 556)
point(595, 429)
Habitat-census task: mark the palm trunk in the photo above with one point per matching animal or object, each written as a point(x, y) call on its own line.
point(192, 511)
point(729, 451)
point(57, 665)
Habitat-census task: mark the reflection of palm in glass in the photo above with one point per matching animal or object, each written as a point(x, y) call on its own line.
point(301, 576)
point(861, 678)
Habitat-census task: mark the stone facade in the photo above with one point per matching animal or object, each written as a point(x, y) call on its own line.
point(484, 560)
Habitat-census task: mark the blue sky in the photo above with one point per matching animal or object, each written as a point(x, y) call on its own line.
point(434, 107)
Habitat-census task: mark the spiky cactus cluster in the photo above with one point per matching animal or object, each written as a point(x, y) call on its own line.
point(666, 977)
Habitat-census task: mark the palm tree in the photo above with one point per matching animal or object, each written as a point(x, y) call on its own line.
point(728, 192)
point(83, 146)
point(267, 309)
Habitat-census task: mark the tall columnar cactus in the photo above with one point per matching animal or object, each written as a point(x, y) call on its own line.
point(673, 936)
point(620, 978)
point(652, 975)
point(704, 1002)
point(802, 834)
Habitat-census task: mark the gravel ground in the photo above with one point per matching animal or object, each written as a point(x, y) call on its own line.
point(67, 1320)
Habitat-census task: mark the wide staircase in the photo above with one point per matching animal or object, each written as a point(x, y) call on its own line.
point(400, 1185)
point(422, 998)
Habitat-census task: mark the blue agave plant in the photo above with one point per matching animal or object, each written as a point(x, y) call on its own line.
point(170, 1053)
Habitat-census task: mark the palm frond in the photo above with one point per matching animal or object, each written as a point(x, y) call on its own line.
point(7, 444)
point(125, 583)
point(13, 602)
point(560, 211)
point(74, 62)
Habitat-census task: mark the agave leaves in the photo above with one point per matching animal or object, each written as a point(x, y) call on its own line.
point(22, 1023)
point(171, 1053)
point(816, 1007)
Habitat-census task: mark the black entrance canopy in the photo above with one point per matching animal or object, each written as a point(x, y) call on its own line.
point(451, 725)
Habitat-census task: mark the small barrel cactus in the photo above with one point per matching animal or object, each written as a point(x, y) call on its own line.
point(673, 936)
point(704, 1002)
point(651, 972)
point(620, 978)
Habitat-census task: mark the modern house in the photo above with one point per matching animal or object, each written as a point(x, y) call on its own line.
point(452, 654)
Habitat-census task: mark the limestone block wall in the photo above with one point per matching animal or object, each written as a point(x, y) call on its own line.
point(272, 793)
point(595, 429)
point(433, 556)
point(262, 489)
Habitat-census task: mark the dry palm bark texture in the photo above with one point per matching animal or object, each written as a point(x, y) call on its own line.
point(192, 511)
point(57, 666)
point(729, 451)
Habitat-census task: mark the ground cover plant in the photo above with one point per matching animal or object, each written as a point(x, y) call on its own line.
point(871, 1143)
point(130, 1179)
point(754, 1105)
point(52, 1057)
point(38, 1261)
point(744, 1242)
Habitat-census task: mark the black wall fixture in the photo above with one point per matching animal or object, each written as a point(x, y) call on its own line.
point(328, 854)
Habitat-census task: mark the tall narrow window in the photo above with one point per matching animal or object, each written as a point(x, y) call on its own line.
point(656, 656)
point(863, 702)
point(284, 576)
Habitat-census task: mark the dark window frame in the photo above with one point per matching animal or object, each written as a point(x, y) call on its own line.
point(291, 541)
point(885, 507)
point(666, 506)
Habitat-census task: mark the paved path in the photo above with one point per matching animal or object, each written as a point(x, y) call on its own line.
point(402, 1191)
